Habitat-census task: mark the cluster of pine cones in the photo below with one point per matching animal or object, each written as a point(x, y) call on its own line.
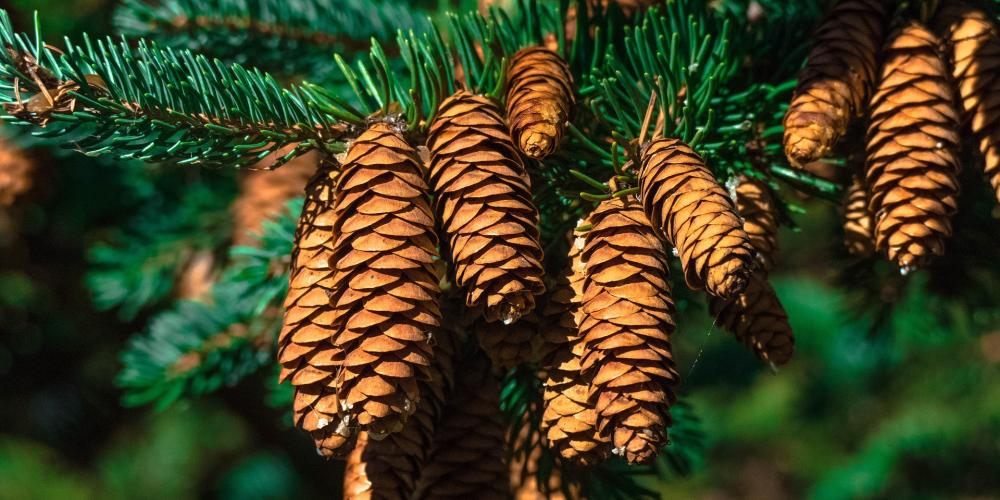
point(374, 336)
point(915, 86)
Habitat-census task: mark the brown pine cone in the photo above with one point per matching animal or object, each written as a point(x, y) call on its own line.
point(539, 100)
point(264, 194)
point(569, 420)
point(306, 352)
point(760, 218)
point(467, 457)
point(385, 292)
point(534, 472)
point(391, 467)
point(483, 203)
point(695, 214)
point(973, 48)
point(508, 345)
point(837, 80)
point(16, 171)
point(627, 321)
point(912, 147)
point(858, 236)
point(758, 320)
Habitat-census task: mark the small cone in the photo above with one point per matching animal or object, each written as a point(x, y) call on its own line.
point(16, 171)
point(483, 203)
point(539, 100)
point(391, 467)
point(858, 224)
point(758, 321)
point(912, 145)
point(264, 194)
point(385, 293)
point(837, 79)
point(508, 345)
point(569, 421)
point(694, 213)
point(467, 457)
point(973, 49)
point(627, 321)
point(308, 357)
point(760, 218)
point(534, 471)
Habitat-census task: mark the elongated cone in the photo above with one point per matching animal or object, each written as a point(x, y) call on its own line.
point(508, 345)
point(467, 457)
point(483, 203)
point(534, 470)
point(836, 81)
point(539, 100)
point(16, 171)
point(308, 356)
point(627, 321)
point(569, 421)
point(858, 224)
point(385, 290)
point(973, 49)
point(264, 194)
point(758, 320)
point(760, 218)
point(695, 214)
point(391, 467)
point(912, 147)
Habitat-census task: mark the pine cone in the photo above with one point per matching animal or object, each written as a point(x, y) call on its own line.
point(391, 467)
point(467, 457)
point(912, 146)
point(858, 236)
point(16, 171)
point(696, 215)
point(483, 202)
point(508, 345)
point(385, 291)
point(973, 44)
point(307, 355)
point(758, 320)
point(627, 321)
point(569, 420)
point(837, 79)
point(760, 218)
point(534, 471)
point(264, 194)
point(539, 100)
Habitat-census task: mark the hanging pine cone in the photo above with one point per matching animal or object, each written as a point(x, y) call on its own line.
point(16, 171)
point(534, 472)
point(627, 321)
point(973, 43)
point(539, 100)
point(912, 146)
point(837, 79)
point(483, 202)
point(467, 457)
point(385, 291)
point(760, 218)
point(307, 355)
point(758, 320)
point(569, 420)
point(507, 345)
point(391, 467)
point(264, 194)
point(696, 215)
point(858, 224)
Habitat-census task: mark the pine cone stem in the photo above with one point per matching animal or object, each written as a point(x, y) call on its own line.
point(695, 214)
point(539, 100)
point(627, 320)
point(385, 293)
point(837, 79)
point(483, 202)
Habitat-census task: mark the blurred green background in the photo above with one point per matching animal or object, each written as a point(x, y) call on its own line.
point(894, 391)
